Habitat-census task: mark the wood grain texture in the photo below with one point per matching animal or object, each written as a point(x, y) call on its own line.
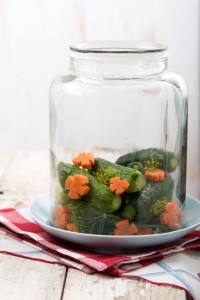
point(100, 287)
point(24, 176)
point(22, 279)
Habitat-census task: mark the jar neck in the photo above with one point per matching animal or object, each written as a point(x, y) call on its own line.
point(123, 68)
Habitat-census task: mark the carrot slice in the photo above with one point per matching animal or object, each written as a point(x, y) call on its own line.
point(118, 186)
point(171, 215)
point(84, 160)
point(124, 228)
point(145, 231)
point(62, 216)
point(77, 186)
point(72, 227)
point(61, 221)
point(155, 175)
point(58, 211)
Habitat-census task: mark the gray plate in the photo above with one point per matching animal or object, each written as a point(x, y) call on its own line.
point(39, 210)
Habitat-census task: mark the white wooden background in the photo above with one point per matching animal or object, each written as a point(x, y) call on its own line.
point(34, 38)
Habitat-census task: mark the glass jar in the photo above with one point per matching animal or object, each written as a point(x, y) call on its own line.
point(118, 134)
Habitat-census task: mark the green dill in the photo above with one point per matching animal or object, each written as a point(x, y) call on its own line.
point(89, 219)
point(102, 176)
point(152, 164)
point(157, 207)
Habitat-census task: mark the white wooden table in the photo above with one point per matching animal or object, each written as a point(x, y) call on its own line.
point(24, 176)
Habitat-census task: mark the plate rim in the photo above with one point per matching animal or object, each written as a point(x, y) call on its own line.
point(110, 237)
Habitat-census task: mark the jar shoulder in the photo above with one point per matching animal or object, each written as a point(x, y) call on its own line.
point(71, 83)
point(62, 79)
point(175, 80)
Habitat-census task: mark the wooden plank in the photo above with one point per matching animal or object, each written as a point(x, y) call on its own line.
point(5, 162)
point(82, 286)
point(22, 279)
point(5, 159)
point(24, 177)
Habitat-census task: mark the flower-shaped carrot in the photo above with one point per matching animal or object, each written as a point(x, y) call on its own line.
point(155, 175)
point(77, 186)
point(171, 215)
point(145, 231)
point(118, 186)
point(84, 160)
point(62, 216)
point(124, 228)
point(72, 227)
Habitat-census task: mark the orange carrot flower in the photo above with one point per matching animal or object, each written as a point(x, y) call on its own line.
point(118, 186)
point(124, 228)
point(155, 175)
point(84, 160)
point(72, 227)
point(62, 216)
point(145, 231)
point(77, 186)
point(171, 215)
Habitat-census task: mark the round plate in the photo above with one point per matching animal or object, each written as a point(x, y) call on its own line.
point(39, 210)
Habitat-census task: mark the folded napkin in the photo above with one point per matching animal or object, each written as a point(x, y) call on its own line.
point(177, 264)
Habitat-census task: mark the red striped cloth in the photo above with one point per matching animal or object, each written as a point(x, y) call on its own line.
point(18, 225)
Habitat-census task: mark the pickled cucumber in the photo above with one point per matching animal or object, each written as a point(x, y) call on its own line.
point(104, 170)
point(166, 160)
point(144, 200)
point(99, 194)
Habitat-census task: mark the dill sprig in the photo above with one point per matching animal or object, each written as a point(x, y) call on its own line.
point(157, 207)
point(90, 219)
point(102, 175)
point(152, 164)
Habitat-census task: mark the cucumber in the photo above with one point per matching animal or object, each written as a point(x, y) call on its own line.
point(137, 166)
point(143, 200)
point(167, 160)
point(104, 170)
point(61, 196)
point(129, 212)
point(99, 194)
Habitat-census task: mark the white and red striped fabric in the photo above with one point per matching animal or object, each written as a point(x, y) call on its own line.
point(21, 236)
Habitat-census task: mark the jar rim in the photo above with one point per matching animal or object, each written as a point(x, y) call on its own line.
point(119, 51)
point(118, 47)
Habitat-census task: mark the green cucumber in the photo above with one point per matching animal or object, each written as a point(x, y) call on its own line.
point(104, 170)
point(99, 194)
point(137, 166)
point(129, 212)
point(167, 160)
point(144, 200)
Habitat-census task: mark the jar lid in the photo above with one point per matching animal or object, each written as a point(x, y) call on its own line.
point(118, 50)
